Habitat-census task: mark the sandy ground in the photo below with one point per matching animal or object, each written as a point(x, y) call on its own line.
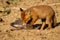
point(33, 34)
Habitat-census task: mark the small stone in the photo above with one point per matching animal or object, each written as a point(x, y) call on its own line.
point(12, 29)
point(0, 31)
point(1, 20)
point(7, 30)
point(8, 2)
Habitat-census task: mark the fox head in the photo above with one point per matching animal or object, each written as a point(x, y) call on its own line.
point(24, 13)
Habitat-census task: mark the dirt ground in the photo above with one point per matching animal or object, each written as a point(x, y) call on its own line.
point(34, 34)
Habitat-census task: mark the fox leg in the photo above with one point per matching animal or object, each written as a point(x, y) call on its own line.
point(49, 20)
point(43, 23)
point(34, 19)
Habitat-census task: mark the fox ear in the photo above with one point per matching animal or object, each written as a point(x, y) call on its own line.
point(21, 9)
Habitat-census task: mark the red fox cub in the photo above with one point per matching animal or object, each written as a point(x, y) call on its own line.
point(43, 12)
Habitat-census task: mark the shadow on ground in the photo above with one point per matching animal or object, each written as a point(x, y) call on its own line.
point(39, 25)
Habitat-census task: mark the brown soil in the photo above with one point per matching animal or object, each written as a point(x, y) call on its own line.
point(33, 34)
